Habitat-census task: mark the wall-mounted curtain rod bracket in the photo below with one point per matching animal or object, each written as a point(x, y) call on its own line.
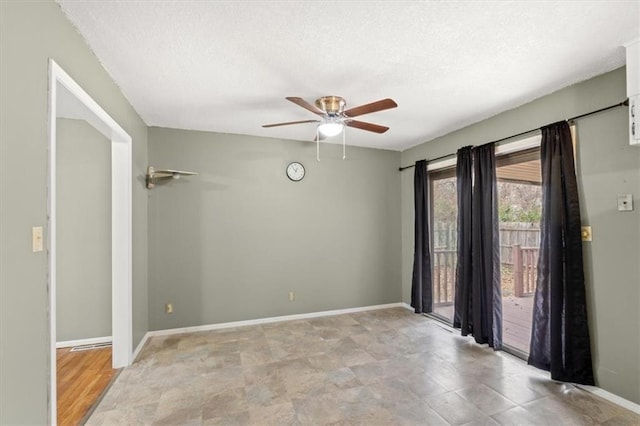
point(156, 175)
point(623, 103)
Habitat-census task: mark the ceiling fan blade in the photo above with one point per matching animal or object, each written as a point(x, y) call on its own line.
point(380, 105)
point(291, 122)
point(306, 105)
point(366, 126)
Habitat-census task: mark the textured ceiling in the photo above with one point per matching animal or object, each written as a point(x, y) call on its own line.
point(226, 66)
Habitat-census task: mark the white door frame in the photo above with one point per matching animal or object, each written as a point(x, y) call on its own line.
point(121, 251)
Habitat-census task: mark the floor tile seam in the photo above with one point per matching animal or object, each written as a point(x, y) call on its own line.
point(495, 413)
point(495, 416)
point(515, 403)
point(540, 395)
point(437, 408)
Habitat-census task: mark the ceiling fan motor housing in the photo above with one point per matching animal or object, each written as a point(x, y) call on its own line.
point(332, 105)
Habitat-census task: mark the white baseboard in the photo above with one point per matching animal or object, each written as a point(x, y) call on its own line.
point(611, 397)
point(82, 342)
point(258, 321)
point(143, 341)
point(272, 319)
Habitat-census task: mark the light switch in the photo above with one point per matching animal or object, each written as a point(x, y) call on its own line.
point(36, 238)
point(625, 202)
point(586, 233)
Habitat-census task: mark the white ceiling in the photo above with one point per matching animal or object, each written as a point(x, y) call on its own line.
point(226, 66)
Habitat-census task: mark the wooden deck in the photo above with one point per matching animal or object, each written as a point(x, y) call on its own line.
point(516, 320)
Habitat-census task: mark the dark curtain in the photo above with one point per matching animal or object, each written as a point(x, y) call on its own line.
point(421, 296)
point(560, 332)
point(486, 294)
point(478, 303)
point(462, 306)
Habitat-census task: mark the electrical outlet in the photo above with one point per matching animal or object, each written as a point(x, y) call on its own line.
point(168, 308)
point(625, 202)
point(36, 238)
point(292, 296)
point(586, 233)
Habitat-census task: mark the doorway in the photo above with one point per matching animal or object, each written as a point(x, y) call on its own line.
point(68, 100)
point(83, 269)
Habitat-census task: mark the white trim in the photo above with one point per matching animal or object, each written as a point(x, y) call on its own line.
point(83, 342)
point(611, 397)
point(268, 320)
point(407, 306)
point(143, 341)
point(441, 164)
point(121, 262)
point(121, 171)
point(51, 246)
point(518, 145)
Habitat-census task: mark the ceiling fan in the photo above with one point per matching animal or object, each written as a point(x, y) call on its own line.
point(333, 117)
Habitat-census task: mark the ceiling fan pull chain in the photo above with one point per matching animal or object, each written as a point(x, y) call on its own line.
point(318, 143)
point(344, 138)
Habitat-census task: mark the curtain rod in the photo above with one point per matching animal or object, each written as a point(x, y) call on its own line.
point(623, 103)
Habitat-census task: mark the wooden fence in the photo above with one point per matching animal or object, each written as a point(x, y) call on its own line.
point(445, 237)
point(518, 249)
point(517, 234)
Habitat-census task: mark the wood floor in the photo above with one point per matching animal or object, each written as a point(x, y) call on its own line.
point(82, 377)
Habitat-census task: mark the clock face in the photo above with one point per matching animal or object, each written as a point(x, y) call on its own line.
point(295, 171)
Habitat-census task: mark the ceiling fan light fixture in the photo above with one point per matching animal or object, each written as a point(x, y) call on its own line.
point(330, 128)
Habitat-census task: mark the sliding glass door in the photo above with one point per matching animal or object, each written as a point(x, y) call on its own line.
point(520, 204)
point(444, 214)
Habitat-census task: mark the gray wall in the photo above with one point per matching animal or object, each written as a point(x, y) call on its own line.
point(83, 285)
point(230, 243)
point(30, 34)
point(607, 166)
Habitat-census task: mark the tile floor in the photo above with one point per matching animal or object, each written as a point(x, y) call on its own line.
point(384, 367)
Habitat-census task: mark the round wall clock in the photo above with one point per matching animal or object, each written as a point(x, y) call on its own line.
point(295, 171)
